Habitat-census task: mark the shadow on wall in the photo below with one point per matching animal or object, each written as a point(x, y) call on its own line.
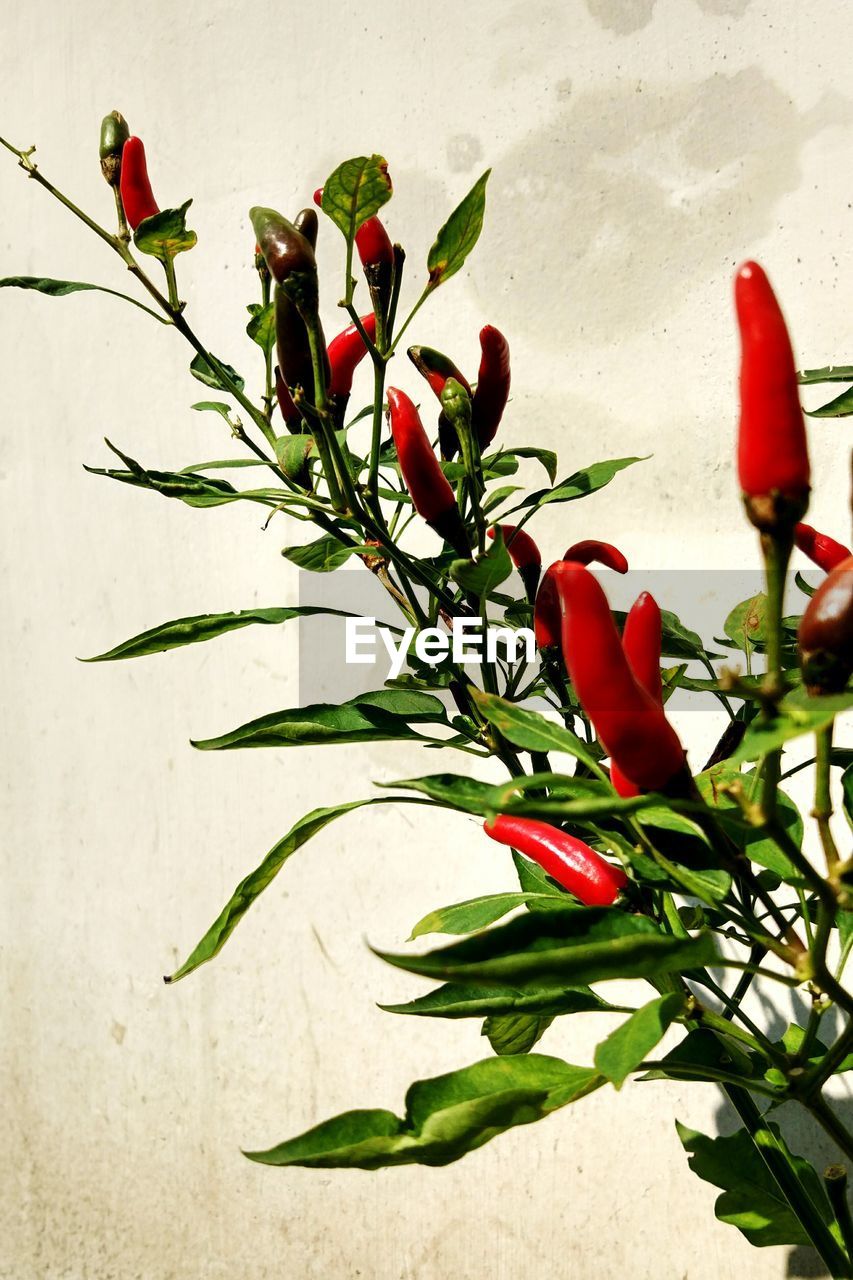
point(627, 16)
point(628, 192)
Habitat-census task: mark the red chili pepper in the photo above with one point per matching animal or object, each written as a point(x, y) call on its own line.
point(371, 240)
point(547, 621)
point(630, 723)
point(524, 553)
point(493, 381)
point(593, 880)
point(773, 459)
point(136, 194)
point(345, 352)
point(641, 644)
point(825, 634)
point(426, 482)
point(436, 368)
point(819, 547)
point(604, 552)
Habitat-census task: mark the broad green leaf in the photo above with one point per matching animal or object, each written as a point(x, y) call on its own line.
point(454, 791)
point(356, 191)
point(498, 464)
point(839, 407)
point(758, 847)
point(292, 454)
point(224, 411)
point(510, 1033)
point(446, 1117)
point(746, 624)
point(261, 327)
point(752, 1200)
point(576, 945)
point(201, 369)
point(165, 234)
point(481, 576)
point(581, 483)
point(323, 556)
point(204, 626)
point(476, 913)
point(456, 1000)
point(532, 731)
point(258, 880)
point(458, 236)
point(59, 289)
point(624, 1049)
point(799, 713)
point(383, 716)
point(829, 373)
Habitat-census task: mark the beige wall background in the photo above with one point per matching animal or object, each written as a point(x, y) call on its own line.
point(639, 148)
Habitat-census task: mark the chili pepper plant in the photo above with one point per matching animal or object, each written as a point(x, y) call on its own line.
point(694, 882)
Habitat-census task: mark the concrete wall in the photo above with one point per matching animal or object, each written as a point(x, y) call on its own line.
point(639, 148)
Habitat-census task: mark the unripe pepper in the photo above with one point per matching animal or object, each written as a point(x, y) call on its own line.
point(427, 484)
point(604, 552)
point(589, 877)
point(823, 550)
point(114, 134)
point(630, 723)
point(286, 250)
point(773, 460)
point(493, 382)
point(641, 644)
point(825, 635)
point(136, 194)
point(524, 553)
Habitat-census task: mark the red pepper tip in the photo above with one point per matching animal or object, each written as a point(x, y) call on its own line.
point(318, 197)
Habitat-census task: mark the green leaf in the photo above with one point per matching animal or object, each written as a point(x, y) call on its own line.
point(532, 731)
point(757, 847)
point(323, 556)
point(624, 1049)
point(356, 191)
point(383, 716)
point(840, 407)
point(574, 945)
point(510, 1033)
point(59, 289)
point(751, 1199)
point(481, 576)
point(474, 914)
point(707, 1055)
point(582, 483)
point(545, 892)
point(204, 626)
point(746, 625)
point(446, 1117)
point(456, 1000)
point(261, 327)
point(458, 236)
point(165, 234)
point(201, 369)
point(497, 496)
point(195, 490)
point(799, 713)
point(829, 373)
point(254, 884)
point(224, 411)
point(547, 457)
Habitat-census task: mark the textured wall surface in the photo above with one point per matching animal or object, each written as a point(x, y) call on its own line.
point(639, 148)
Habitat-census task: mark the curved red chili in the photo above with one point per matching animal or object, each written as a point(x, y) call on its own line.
point(819, 547)
point(422, 474)
point(493, 383)
point(136, 194)
point(772, 450)
point(547, 620)
point(524, 553)
point(436, 368)
point(346, 351)
point(630, 723)
point(641, 644)
point(825, 633)
point(604, 552)
point(591, 878)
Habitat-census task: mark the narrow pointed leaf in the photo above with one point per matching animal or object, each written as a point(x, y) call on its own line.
point(476, 913)
point(624, 1049)
point(60, 288)
point(456, 1000)
point(446, 1117)
point(458, 236)
point(532, 731)
point(512, 1033)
